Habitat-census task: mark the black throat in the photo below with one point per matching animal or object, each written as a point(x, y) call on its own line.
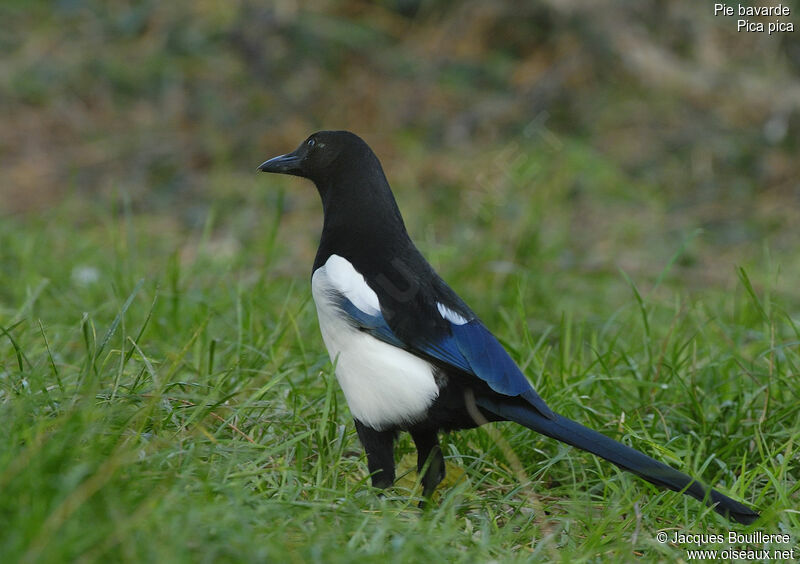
point(362, 222)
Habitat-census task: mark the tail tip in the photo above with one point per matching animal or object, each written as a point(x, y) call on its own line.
point(746, 517)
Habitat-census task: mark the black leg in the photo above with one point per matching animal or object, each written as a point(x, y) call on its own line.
point(379, 446)
point(430, 462)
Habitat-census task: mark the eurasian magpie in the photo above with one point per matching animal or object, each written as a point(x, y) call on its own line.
point(409, 354)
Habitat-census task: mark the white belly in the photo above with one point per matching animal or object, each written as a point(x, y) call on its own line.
point(383, 385)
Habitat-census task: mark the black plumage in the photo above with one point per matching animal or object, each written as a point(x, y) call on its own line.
point(410, 354)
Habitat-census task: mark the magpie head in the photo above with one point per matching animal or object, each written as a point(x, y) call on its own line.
point(349, 179)
point(320, 155)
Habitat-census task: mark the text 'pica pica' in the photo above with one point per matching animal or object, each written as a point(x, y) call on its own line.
point(410, 355)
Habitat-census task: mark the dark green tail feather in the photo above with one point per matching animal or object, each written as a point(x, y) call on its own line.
point(658, 473)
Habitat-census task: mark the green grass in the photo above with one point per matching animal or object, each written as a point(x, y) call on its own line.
point(165, 395)
point(628, 231)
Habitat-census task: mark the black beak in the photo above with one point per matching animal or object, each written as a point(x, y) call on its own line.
point(284, 164)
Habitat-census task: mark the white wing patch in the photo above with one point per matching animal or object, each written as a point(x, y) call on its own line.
point(383, 385)
point(450, 315)
point(348, 281)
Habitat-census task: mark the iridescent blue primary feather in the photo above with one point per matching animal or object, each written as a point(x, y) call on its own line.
point(409, 354)
point(469, 347)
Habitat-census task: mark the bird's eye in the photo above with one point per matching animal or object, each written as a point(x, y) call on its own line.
point(311, 143)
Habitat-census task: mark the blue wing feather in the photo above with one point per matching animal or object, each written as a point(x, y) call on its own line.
point(488, 358)
point(375, 325)
point(470, 347)
point(490, 362)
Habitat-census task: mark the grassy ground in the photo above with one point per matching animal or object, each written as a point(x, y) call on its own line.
point(165, 395)
point(614, 191)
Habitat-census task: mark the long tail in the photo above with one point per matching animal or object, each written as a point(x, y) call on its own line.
point(575, 434)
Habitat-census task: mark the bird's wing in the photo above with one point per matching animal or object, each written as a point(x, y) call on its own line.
point(467, 345)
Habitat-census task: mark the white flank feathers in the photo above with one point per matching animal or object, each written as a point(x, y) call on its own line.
point(383, 385)
point(344, 279)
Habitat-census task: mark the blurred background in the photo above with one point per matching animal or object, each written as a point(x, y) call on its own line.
point(592, 136)
point(613, 186)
